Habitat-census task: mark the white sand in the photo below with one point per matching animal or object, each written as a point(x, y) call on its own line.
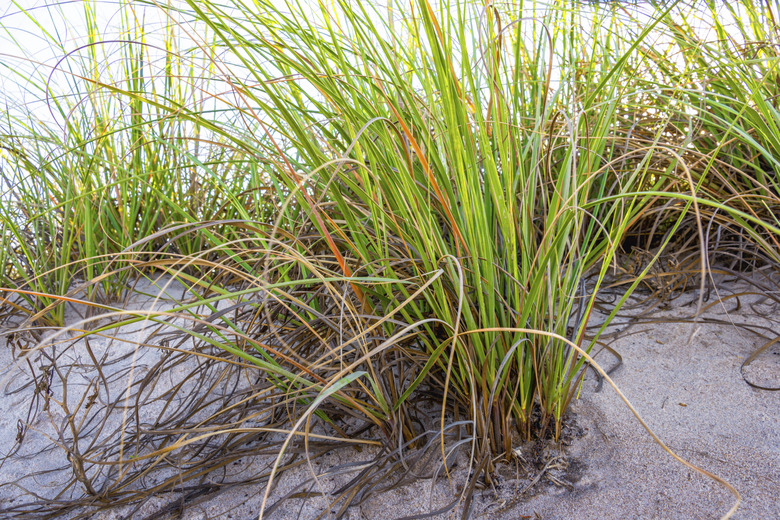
point(692, 395)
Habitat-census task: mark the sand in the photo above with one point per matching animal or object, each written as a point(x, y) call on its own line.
point(691, 393)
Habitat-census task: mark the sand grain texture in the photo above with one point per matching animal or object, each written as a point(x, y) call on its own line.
point(692, 394)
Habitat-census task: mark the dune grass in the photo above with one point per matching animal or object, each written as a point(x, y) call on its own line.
point(371, 207)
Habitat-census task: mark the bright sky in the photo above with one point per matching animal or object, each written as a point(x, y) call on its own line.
point(36, 34)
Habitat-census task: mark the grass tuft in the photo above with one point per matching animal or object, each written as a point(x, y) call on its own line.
point(369, 208)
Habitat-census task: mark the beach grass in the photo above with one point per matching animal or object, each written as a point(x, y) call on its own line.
point(373, 206)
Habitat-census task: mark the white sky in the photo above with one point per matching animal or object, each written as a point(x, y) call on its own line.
point(36, 34)
point(32, 42)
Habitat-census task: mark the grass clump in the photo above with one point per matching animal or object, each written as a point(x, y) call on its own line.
point(381, 205)
point(106, 164)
